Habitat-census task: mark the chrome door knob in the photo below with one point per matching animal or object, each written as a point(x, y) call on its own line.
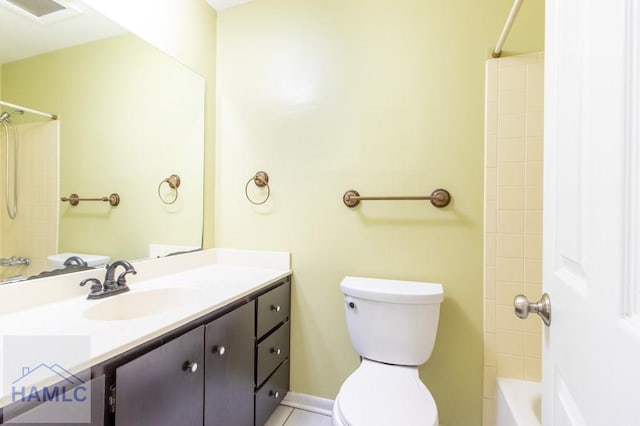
point(220, 350)
point(523, 308)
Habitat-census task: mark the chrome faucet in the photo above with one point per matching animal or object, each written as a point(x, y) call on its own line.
point(111, 285)
point(14, 261)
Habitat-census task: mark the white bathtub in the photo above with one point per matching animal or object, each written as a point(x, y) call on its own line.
point(518, 402)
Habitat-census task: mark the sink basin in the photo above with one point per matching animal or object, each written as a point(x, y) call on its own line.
point(144, 303)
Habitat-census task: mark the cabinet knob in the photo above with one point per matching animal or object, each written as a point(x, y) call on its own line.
point(274, 394)
point(220, 350)
point(190, 366)
point(275, 351)
point(275, 308)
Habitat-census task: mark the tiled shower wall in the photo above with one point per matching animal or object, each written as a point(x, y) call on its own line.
point(34, 232)
point(513, 220)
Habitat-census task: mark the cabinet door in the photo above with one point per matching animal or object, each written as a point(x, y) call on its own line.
point(229, 353)
point(163, 387)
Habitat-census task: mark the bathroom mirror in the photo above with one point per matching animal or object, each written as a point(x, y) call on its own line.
point(130, 117)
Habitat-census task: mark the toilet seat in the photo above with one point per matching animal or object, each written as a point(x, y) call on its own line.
point(379, 394)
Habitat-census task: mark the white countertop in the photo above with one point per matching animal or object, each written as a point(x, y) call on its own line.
point(200, 283)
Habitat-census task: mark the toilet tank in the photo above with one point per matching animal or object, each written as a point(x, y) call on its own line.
point(392, 321)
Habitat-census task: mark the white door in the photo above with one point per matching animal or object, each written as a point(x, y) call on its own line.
point(591, 358)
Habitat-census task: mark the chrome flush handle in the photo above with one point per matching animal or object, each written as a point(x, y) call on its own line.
point(523, 308)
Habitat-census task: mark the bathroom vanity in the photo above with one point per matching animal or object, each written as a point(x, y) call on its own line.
point(217, 354)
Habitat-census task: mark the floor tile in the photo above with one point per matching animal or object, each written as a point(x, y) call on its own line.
point(279, 416)
point(307, 418)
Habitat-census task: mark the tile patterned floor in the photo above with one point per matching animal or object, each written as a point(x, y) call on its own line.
point(287, 416)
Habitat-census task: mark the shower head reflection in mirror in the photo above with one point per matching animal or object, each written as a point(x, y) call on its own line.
point(5, 117)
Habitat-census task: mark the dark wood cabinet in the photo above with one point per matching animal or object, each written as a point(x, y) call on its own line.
point(272, 309)
point(228, 368)
point(272, 351)
point(228, 389)
point(163, 387)
point(271, 393)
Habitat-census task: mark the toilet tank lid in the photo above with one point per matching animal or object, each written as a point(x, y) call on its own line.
point(393, 291)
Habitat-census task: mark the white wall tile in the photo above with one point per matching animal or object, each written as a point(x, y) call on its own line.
point(511, 174)
point(510, 221)
point(511, 198)
point(490, 349)
point(509, 342)
point(514, 126)
point(534, 149)
point(506, 291)
point(512, 77)
point(510, 245)
point(513, 220)
point(510, 149)
point(512, 101)
point(491, 184)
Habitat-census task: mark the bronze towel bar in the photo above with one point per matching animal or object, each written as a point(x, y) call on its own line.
point(439, 198)
point(74, 199)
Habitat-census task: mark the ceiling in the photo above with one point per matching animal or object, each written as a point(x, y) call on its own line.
point(22, 36)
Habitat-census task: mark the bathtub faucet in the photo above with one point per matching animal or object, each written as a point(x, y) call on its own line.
point(14, 261)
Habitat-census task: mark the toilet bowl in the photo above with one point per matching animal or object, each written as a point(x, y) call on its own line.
point(392, 325)
point(382, 395)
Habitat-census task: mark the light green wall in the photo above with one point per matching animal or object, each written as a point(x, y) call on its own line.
point(386, 98)
point(130, 117)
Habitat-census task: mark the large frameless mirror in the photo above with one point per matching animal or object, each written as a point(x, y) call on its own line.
point(129, 117)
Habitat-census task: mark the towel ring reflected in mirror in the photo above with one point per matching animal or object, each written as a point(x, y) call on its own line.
point(174, 183)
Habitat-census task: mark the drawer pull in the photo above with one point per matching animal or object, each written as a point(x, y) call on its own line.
point(220, 350)
point(275, 308)
point(190, 366)
point(274, 394)
point(275, 351)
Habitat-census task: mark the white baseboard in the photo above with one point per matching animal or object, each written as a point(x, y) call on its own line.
point(311, 403)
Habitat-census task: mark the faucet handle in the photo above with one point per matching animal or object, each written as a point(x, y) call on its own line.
point(122, 280)
point(96, 286)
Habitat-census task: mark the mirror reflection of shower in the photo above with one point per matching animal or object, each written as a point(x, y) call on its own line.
point(11, 152)
point(29, 149)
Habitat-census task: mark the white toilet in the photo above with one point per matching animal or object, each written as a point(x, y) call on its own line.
point(392, 325)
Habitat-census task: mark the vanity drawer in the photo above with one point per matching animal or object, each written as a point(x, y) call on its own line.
point(272, 309)
point(269, 396)
point(271, 352)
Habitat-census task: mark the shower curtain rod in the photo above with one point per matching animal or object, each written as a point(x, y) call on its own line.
point(32, 111)
point(507, 27)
